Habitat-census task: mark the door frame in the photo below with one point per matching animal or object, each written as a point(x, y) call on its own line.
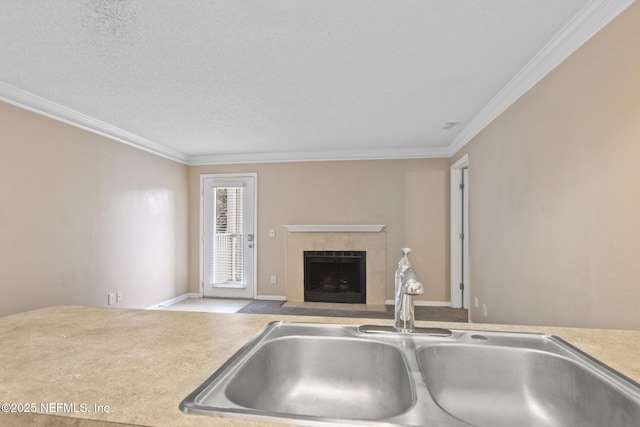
point(204, 176)
point(459, 248)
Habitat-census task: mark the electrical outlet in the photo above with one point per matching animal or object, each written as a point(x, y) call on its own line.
point(272, 232)
point(484, 310)
point(118, 296)
point(476, 302)
point(274, 279)
point(111, 298)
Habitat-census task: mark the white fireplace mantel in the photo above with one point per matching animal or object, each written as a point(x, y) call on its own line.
point(355, 228)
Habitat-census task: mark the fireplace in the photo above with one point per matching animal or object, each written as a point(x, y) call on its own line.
point(335, 276)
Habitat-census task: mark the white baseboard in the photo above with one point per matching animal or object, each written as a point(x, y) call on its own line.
point(271, 297)
point(424, 303)
point(173, 301)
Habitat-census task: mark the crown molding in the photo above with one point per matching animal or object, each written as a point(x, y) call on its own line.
point(320, 156)
point(36, 104)
point(39, 105)
point(591, 19)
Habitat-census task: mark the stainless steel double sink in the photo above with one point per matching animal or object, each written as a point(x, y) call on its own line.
point(321, 374)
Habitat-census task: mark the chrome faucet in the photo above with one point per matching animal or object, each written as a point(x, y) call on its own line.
point(407, 284)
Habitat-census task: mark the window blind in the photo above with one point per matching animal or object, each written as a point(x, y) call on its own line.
point(227, 248)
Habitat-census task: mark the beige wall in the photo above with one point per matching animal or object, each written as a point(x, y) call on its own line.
point(82, 216)
point(410, 197)
point(555, 193)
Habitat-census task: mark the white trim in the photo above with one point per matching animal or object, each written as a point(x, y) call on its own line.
point(36, 104)
point(423, 303)
point(461, 163)
point(321, 156)
point(591, 19)
point(172, 301)
point(271, 297)
point(356, 228)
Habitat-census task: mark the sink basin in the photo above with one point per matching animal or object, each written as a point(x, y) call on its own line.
point(324, 374)
point(324, 377)
point(507, 384)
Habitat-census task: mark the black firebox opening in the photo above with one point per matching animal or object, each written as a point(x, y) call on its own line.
point(335, 276)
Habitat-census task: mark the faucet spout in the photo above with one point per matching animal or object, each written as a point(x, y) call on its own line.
point(410, 286)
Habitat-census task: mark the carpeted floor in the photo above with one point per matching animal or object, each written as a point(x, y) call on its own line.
point(439, 314)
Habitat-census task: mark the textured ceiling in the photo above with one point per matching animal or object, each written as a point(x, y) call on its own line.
point(220, 81)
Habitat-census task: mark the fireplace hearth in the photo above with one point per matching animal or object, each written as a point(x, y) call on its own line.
point(335, 276)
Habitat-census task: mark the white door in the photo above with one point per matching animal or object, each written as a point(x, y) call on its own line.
point(228, 239)
point(464, 262)
point(460, 234)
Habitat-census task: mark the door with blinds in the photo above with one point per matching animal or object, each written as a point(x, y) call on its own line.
point(228, 239)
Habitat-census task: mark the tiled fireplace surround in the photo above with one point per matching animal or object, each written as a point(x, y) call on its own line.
point(371, 239)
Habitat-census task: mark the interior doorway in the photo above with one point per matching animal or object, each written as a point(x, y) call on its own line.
point(228, 221)
point(460, 283)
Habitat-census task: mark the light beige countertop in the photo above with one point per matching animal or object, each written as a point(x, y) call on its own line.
point(98, 367)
